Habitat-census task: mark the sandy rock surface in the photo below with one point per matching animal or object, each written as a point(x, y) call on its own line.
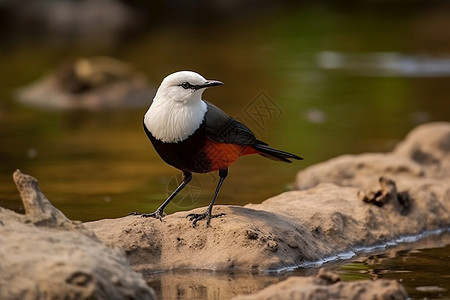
point(347, 205)
point(44, 255)
point(328, 286)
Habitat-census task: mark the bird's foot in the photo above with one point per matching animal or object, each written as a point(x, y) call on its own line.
point(206, 215)
point(158, 214)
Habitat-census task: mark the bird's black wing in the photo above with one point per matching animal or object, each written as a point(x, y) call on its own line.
point(224, 129)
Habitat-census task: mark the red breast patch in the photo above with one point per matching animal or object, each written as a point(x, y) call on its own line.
point(223, 155)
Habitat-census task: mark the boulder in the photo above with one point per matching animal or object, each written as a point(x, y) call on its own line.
point(92, 83)
point(424, 155)
point(44, 255)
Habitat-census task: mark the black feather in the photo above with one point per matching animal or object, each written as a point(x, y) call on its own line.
point(224, 129)
point(275, 154)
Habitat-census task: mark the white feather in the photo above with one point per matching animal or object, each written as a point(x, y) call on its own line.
point(176, 113)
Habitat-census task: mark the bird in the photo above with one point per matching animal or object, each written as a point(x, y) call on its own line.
point(195, 136)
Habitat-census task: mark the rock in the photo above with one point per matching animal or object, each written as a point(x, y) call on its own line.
point(424, 155)
point(362, 171)
point(44, 255)
point(39, 210)
point(328, 286)
point(299, 228)
point(429, 146)
point(243, 240)
point(387, 193)
point(93, 83)
point(93, 22)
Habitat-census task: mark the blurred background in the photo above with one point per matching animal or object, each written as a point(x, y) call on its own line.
point(319, 79)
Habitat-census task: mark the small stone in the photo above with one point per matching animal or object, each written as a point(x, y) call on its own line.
point(272, 245)
point(251, 235)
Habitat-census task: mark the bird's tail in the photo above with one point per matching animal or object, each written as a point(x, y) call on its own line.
point(275, 154)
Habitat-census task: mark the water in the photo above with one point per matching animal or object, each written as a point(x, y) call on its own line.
point(388, 72)
point(421, 269)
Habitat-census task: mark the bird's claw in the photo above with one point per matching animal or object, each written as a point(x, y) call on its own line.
point(206, 215)
point(157, 215)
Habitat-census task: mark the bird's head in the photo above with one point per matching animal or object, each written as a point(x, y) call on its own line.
point(184, 86)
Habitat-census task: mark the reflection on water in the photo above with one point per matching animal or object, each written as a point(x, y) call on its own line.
point(422, 267)
point(95, 165)
point(207, 285)
point(214, 285)
point(403, 263)
point(385, 64)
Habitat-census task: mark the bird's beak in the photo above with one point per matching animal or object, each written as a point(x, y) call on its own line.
point(209, 83)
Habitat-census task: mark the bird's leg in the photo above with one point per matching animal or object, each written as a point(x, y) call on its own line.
point(159, 213)
point(208, 213)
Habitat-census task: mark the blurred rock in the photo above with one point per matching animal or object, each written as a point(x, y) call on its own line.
point(328, 286)
point(315, 116)
point(44, 255)
point(88, 21)
point(423, 157)
point(429, 146)
point(94, 83)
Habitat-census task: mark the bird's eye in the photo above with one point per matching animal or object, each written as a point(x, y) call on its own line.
point(186, 85)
